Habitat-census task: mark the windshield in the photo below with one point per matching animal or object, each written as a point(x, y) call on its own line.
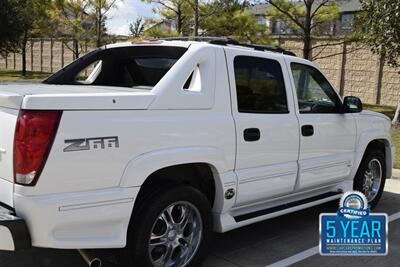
point(135, 66)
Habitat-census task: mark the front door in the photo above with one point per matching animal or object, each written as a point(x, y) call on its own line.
point(327, 136)
point(266, 125)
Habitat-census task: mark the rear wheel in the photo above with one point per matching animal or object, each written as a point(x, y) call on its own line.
point(371, 176)
point(170, 228)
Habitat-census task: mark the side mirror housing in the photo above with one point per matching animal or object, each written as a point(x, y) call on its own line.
point(352, 104)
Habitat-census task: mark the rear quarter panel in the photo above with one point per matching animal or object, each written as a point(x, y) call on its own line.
point(139, 132)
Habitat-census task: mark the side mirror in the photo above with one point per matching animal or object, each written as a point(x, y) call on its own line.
point(352, 104)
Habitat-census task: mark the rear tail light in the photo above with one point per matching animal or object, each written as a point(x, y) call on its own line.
point(34, 136)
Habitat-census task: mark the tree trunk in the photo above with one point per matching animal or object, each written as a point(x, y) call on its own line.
point(307, 48)
point(196, 18)
point(179, 25)
point(98, 24)
point(76, 49)
point(24, 43)
point(381, 64)
point(179, 20)
point(395, 120)
point(98, 42)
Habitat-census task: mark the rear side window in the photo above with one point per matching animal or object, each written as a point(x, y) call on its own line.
point(260, 87)
point(134, 67)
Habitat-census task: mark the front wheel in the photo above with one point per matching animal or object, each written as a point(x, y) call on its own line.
point(371, 176)
point(171, 228)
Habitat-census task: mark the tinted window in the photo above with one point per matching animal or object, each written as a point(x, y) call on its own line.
point(124, 66)
point(314, 93)
point(147, 71)
point(347, 21)
point(260, 87)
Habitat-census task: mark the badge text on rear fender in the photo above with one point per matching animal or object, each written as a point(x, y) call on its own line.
point(91, 143)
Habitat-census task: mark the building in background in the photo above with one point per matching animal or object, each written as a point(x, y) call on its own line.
point(344, 25)
point(166, 26)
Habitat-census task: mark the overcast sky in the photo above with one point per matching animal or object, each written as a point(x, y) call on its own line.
point(127, 11)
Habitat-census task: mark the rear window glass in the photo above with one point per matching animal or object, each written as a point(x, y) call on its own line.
point(131, 67)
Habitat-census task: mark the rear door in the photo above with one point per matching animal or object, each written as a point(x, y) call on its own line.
point(266, 125)
point(327, 136)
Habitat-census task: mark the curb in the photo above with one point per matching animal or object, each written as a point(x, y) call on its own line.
point(396, 174)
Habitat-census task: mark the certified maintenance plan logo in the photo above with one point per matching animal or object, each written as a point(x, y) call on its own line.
point(353, 230)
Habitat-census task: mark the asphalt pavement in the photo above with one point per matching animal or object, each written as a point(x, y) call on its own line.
point(289, 239)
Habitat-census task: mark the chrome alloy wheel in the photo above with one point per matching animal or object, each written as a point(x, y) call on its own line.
point(372, 179)
point(175, 235)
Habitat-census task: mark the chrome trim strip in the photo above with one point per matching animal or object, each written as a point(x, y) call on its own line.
point(96, 204)
point(332, 164)
point(266, 177)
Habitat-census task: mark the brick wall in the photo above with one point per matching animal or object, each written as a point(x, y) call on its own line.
point(363, 73)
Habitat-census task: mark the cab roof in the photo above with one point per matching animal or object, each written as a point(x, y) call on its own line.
point(187, 41)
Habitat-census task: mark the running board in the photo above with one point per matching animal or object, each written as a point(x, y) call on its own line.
point(259, 213)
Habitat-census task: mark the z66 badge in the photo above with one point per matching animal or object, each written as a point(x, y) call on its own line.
point(91, 143)
point(353, 230)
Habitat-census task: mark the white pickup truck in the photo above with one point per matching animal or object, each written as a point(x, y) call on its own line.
point(152, 146)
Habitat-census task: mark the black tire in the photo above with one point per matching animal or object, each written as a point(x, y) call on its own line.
point(136, 253)
point(360, 178)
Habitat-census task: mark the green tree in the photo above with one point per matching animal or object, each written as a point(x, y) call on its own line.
point(381, 22)
point(156, 32)
point(304, 17)
point(230, 18)
point(136, 28)
point(73, 21)
point(99, 11)
point(35, 22)
point(196, 10)
point(247, 29)
point(178, 11)
point(196, 6)
point(11, 28)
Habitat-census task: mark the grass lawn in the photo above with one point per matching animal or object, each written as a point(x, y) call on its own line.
point(35, 76)
point(396, 142)
point(389, 111)
point(15, 76)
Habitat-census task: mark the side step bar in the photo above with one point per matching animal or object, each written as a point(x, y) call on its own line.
point(259, 213)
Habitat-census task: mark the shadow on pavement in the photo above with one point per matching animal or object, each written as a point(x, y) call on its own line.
point(254, 245)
